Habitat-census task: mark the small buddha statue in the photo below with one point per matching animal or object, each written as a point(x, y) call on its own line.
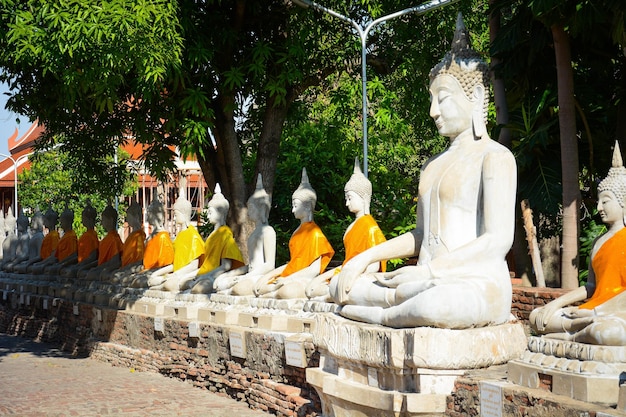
point(188, 249)
point(221, 253)
point(51, 240)
point(159, 250)
point(86, 255)
point(23, 239)
point(130, 259)
point(9, 245)
point(309, 249)
point(361, 234)
point(601, 320)
point(261, 244)
point(34, 243)
point(68, 245)
point(109, 246)
point(465, 219)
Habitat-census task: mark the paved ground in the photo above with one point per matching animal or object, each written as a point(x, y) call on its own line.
point(38, 380)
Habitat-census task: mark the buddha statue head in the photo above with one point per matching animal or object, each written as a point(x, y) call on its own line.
point(259, 202)
point(156, 215)
point(22, 222)
point(613, 186)
point(305, 194)
point(182, 206)
point(36, 223)
point(358, 186)
point(89, 215)
point(471, 73)
point(109, 218)
point(133, 215)
point(67, 218)
point(9, 221)
point(50, 219)
point(218, 203)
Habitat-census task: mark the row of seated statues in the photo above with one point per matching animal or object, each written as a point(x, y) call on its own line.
point(464, 229)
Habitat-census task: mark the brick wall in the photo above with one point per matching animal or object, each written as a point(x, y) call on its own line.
point(525, 299)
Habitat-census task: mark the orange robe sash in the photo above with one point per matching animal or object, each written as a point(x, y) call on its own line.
point(87, 243)
point(220, 245)
point(159, 251)
point(307, 244)
point(364, 234)
point(109, 246)
point(67, 245)
point(188, 246)
point(49, 244)
point(609, 266)
point(133, 248)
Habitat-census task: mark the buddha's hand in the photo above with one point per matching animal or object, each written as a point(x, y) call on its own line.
point(350, 272)
point(578, 313)
point(403, 275)
point(544, 314)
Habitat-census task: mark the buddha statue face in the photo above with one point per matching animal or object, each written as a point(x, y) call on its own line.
point(450, 107)
point(156, 215)
point(354, 202)
point(213, 215)
point(66, 220)
point(300, 209)
point(609, 207)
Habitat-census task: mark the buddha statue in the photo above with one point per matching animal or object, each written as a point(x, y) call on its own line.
point(261, 244)
point(130, 259)
point(159, 250)
point(361, 234)
point(465, 219)
point(601, 320)
point(9, 245)
point(23, 239)
point(34, 243)
point(51, 240)
point(188, 249)
point(310, 253)
point(221, 253)
point(109, 247)
point(68, 245)
point(86, 255)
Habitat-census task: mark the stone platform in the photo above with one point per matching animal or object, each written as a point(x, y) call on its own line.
point(577, 370)
point(374, 370)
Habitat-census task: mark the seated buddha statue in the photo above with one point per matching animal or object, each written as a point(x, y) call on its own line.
point(261, 244)
point(22, 248)
point(51, 240)
point(465, 219)
point(159, 250)
point(68, 245)
point(86, 255)
point(188, 249)
point(34, 243)
point(601, 319)
point(309, 249)
point(9, 245)
point(361, 234)
point(130, 259)
point(221, 253)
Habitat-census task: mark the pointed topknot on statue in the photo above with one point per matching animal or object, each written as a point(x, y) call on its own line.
point(463, 63)
point(358, 183)
point(305, 192)
point(218, 201)
point(260, 195)
point(615, 180)
point(182, 204)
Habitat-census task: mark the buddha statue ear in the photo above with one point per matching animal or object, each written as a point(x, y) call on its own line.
point(478, 121)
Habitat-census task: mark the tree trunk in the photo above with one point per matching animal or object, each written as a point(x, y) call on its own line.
point(569, 157)
point(499, 92)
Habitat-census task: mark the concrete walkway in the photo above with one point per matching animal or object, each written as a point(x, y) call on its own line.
point(39, 380)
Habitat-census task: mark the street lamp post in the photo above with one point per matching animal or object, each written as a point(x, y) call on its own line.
point(363, 33)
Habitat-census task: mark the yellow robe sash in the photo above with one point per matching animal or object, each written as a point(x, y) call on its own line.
point(220, 245)
point(188, 246)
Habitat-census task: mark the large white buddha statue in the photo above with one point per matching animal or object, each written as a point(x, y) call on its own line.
point(601, 320)
point(261, 245)
point(465, 219)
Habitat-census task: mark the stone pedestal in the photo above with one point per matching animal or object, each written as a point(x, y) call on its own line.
point(577, 370)
point(368, 370)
